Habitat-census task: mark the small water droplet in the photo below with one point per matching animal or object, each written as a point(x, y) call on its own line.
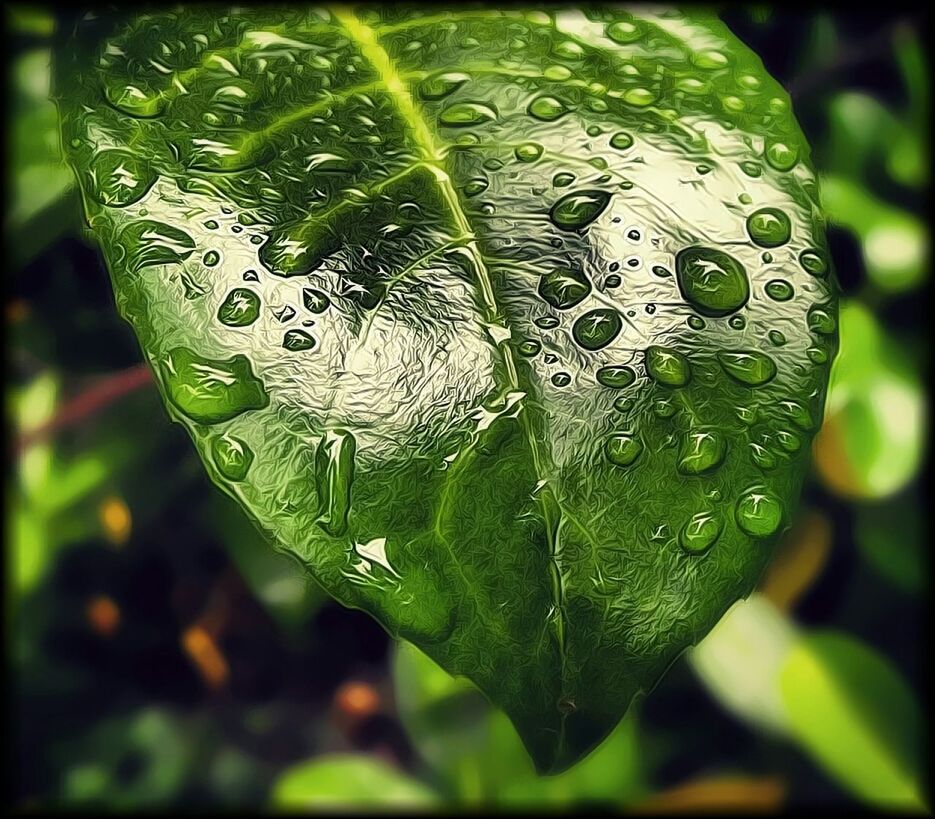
point(211, 258)
point(701, 451)
point(623, 32)
point(597, 328)
point(622, 449)
point(758, 513)
point(776, 338)
point(700, 533)
point(737, 322)
point(696, 323)
point(821, 320)
point(621, 141)
point(298, 340)
point(781, 156)
point(748, 367)
point(667, 366)
point(476, 185)
point(563, 289)
point(529, 348)
point(547, 108)
point(547, 322)
point(813, 261)
point(561, 379)
point(465, 114)
point(575, 211)
point(231, 456)
point(769, 227)
point(616, 376)
point(440, 85)
point(315, 301)
point(240, 308)
point(563, 179)
point(528, 152)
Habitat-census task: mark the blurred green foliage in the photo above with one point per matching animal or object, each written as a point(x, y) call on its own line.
point(163, 655)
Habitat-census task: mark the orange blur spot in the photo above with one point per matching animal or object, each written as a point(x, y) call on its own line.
point(200, 646)
point(357, 700)
point(17, 311)
point(728, 794)
point(116, 520)
point(799, 561)
point(103, 615)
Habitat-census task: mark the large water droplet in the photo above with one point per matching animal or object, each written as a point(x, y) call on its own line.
point(575, 211)
point(597, 328)
point(315, 301)
point(769, 227)
point(713, 282)
point(298, 340)
point(779, 290)
point(528, 152)
point(231, 456)
point(240, 308)
point(210, 391)
point(151, 243)
point(821, 320)
point(781, 156)
point(117, 178)
point(667, 366)
point(758, 513)
point(748, 367)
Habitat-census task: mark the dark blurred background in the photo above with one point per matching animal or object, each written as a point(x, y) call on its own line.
point(159, 654)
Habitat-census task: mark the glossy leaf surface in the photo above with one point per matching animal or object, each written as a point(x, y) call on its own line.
point(468, 312)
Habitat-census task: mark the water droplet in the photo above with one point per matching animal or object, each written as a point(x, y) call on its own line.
point(151, 243)
point(776, 338)
point(284, 313)
point(547, 108)
point(612, 281)
point(622, 449)
point(750, 368)
point(561, 379)
point(664, 408)
point(789, 441)
point(621, 141)
point(556, 73)
point(661, 272)
point(465, 114)
point(779, 290)
point(597, 328)
point(231, 456)
point(700, 533)
point(624, 32)
point(817, 355)
point(813, 261)
point(751, 169)
point(575, 211)
point(298, 340)
point(710, 60)
point(563, 289)
point(528, 152)
point(440, 85)
point(696, 323)
point(713, 282)
point(563, 179)
point(250, 276)
point(493, 164)
point(529, 348)
point(334, 475)
point(135, 101)
point(761, 456)
point(769, 227)
point(640, 97)
point(758, 513)
point(667, 366)
point(798, 414)
point(315, 301)
point(737, 322)
point(240, 308)
point(781, 156)
point(475, 186)
point(623, 403)
point(117, 178)
point(210, 391)
point(821, 321)
point(616, 376)
point(547, 322)
point(701, 451)
point(211, 258)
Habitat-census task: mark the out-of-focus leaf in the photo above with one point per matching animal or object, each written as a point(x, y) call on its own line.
point(40, 208)
point(894, 243)
point(348, 781)
point(889, 536)
point(851, 710)
point(802, 555)
point(136, 762)
point(480, 757)
point(733, 793)
point(739, 662)
point(873, 438)
point(34, 20)
point(277, 579)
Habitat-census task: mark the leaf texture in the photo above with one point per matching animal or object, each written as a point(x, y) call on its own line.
point(513, 326)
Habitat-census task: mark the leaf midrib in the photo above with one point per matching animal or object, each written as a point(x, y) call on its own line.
point(366, 39)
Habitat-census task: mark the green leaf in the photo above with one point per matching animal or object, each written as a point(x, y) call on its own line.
point(890, 537)
point(344, 781)
point(451, 222)
point(856, 716)
point(873, 440)
point(478, 754)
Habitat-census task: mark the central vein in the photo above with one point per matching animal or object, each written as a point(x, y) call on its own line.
point(433, 155)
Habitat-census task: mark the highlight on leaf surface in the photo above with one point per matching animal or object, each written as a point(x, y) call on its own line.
point(513, 326)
